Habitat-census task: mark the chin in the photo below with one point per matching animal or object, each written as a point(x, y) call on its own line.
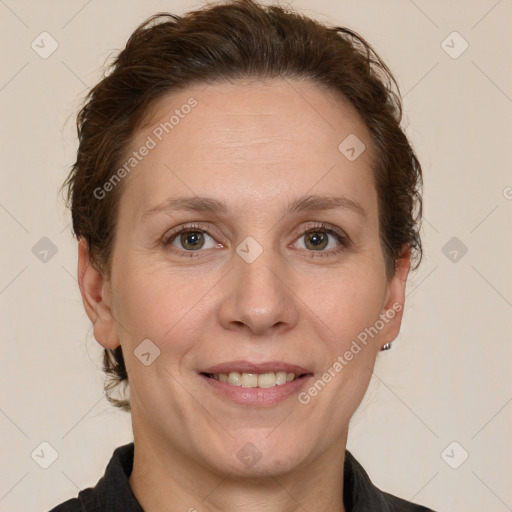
point(263, 455)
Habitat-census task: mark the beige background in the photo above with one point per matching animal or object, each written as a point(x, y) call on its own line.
point(448, 376)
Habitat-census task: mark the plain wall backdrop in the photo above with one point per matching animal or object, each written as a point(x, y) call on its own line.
point(447, 379)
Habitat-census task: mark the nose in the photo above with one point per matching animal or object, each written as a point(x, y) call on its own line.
point(259, 296)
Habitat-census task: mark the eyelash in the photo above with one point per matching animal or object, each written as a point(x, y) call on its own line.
point(342, 238)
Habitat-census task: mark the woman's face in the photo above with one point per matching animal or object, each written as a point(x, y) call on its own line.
point(259, 282)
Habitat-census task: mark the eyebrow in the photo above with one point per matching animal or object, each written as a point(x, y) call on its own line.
point(310, 202)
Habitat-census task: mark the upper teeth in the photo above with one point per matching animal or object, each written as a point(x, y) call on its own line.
point(255, 380)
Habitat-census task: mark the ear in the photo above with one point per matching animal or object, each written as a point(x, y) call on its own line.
point(96, 297)
point(395, 297)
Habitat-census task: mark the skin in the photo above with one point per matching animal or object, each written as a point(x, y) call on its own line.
point(256, 146)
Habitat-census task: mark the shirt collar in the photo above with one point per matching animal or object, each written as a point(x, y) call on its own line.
point(113, 491)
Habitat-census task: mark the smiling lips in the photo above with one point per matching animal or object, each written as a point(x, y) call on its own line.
point(251, 375)
point(253, 380)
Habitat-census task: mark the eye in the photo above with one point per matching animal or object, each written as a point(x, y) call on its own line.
point(321, 237)
point(190, 239)
point(193, 238)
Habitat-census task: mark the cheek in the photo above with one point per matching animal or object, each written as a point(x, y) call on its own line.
point(160, 304)
point(350, 309)
point(352, 304)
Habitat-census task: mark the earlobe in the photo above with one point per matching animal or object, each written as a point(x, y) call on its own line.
point(96, 297)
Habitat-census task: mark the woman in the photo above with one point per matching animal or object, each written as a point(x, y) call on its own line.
point(247, 209)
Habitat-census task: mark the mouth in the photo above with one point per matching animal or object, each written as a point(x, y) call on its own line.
point(255, 380)
point(256, 384)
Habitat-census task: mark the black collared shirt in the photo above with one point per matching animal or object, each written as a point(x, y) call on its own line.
point(113, 493)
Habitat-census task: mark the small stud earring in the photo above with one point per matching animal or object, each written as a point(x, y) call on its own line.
point(387, 346)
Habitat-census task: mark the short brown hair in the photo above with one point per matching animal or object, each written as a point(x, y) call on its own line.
point(238, 39)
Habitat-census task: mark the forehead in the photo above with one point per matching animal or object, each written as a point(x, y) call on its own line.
point(251, 141)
